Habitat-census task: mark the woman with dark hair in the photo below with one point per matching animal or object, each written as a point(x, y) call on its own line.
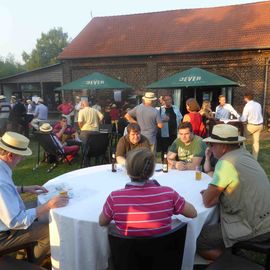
point(143, 207)
point(194, 117)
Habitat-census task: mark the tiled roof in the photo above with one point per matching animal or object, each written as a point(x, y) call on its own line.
point(177, 31)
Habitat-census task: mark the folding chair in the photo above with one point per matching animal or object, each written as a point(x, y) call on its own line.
point(97, 146)
point(52, 150)
point(158, 252)
point(105, 128)
point(113, 136)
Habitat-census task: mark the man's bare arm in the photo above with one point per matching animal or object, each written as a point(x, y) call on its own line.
point(211, 195)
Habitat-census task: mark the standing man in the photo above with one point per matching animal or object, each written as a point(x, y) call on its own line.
point(41, 114)
point(147, 117)
point(187, 151)
point(88, 121)
point(171, 118)
point(4, 113)
point(241, 189)
point(252, 114)
point(17, 118)
point(225, 110)
point(19, 225)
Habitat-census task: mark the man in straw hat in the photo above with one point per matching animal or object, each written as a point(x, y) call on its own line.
point(241, 189)
point(148, 118)
point(70, 150)
point(19, 225)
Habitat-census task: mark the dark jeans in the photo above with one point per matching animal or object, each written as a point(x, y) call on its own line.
point(84, 135)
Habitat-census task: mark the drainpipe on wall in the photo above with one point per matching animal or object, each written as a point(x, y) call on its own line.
point(265, 85)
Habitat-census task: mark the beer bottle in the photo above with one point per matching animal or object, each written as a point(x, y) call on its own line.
point(165, 163)
point(113, 163)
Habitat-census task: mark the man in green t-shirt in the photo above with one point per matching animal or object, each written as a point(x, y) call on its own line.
point(241, 189)
point(187, 151)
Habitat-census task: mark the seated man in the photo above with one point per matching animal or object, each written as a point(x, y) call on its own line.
point(70, 150)
point(241, 189)
point(66, 133)
point(187, 151)
point(155, 204)
point(19, 225)
point(133, 140)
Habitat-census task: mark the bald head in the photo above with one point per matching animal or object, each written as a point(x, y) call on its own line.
point(85, 103)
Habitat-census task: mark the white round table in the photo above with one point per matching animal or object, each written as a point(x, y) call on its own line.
point(78, 242)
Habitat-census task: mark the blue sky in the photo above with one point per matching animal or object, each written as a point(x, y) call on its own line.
point(23, 21)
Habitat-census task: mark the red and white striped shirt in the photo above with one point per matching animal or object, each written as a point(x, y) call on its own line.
point(143, 210)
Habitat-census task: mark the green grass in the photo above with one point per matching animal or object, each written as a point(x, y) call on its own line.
point(24, 174)
point(264, 156)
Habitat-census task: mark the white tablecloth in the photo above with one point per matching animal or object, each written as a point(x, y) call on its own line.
point(79, 243)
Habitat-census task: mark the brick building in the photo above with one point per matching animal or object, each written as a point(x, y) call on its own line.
point(231, 41)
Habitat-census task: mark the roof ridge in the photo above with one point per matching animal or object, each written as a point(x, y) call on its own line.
point(184, 9)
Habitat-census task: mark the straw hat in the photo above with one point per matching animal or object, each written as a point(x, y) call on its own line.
point(15, 143)
point(224, 133)
point(45, 128)
point(2, 97)
point(149, 96)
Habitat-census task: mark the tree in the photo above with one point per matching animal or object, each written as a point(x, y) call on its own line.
point(9, 67)
point(47, 49)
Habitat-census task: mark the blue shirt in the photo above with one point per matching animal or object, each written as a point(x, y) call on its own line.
point(13, 213)
point(224, 112)
point(41, 112)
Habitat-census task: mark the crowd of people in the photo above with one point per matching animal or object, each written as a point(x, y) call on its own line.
point(236, 174)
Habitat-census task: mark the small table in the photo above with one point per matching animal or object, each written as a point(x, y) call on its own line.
point(78, 242)
point(234, 122)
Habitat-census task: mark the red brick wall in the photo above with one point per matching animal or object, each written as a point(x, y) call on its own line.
point(246, 67)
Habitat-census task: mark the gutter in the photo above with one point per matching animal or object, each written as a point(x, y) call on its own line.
point(152, 54)
point(265, 84)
